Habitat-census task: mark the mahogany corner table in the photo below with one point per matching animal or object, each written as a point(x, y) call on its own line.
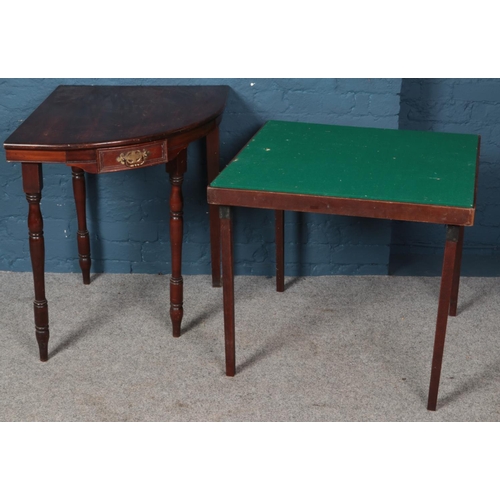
point(101, 129)
point(365, 172)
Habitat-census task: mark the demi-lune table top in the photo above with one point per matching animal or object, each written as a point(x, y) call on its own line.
point(81, 116)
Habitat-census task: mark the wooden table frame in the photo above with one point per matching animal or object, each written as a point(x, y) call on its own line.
point(167, 145)
point(455, 218)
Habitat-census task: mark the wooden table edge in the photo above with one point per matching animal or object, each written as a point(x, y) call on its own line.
point(80, 156)
point(378, 209)
point(57, 150)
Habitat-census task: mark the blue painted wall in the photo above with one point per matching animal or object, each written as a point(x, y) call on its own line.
point(128, 211)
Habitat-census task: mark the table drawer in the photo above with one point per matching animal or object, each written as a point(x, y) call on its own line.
point(140, 155)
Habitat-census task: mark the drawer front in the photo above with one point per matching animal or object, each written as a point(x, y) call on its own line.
point(140, 155)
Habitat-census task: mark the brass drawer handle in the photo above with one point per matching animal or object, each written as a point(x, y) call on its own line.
point(133, 158)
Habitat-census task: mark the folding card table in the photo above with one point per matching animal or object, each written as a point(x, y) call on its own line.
point(101, 129)
point(364, 172)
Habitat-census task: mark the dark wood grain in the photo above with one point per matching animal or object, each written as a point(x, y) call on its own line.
point(83, 239)
point(32, 185)
point(79, 117)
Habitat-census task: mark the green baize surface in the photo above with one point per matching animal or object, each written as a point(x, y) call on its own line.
point(430, 168)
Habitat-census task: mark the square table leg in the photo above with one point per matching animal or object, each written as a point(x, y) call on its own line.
point(279, 216)
point(226, 229)
point(32, 185)
point(456, 273)
point(213, 169)
point(448, 286)
point(83, 239)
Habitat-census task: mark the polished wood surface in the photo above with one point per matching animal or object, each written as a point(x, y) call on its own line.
point(101, 129)
point(252, 180)
point(75, 117)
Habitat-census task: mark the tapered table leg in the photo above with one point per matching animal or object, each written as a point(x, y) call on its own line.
point(280, 250)
point(456, 273)
point(449, 267)
point(228, 288)
point(32, 185)
point(213, 168)
point(83, 235)
point(176, 170)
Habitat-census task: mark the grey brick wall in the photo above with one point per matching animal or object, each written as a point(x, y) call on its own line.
point(128, 211)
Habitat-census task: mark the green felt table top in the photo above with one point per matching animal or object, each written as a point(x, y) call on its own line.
point(354, 162)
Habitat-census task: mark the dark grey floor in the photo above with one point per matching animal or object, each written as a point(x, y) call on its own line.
point(336, 348)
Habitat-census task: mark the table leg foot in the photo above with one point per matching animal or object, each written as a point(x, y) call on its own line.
point(176, 309)
point(42, 338)
point(32, 185)
point(176, 171)
point(228, 289)
point(445, 293)
point(83, 238)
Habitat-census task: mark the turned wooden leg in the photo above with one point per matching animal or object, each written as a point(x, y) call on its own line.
point(176, 169)
point(82, 235)
point(32, 185)
point(228, 288)
point(280, 250)
point(213, 168)
point(456, 273)
point(447, 279)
